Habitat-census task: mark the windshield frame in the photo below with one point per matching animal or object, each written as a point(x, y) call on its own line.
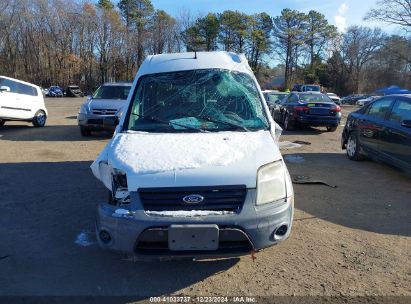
point(128, 114)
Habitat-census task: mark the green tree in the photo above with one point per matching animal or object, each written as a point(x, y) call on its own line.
point(208, 28)
point(233, 31)
point(106, 4)
point(290, 30)
point(319, 32)
point(259, 42)
point(203, 34)
point(162, 32)
point(137, 14)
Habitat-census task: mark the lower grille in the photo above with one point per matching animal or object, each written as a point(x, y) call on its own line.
point(95, 121)
point(154, 241)
point(216, 198)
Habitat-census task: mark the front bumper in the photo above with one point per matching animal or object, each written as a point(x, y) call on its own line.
point(256, 225)
point(93, 121)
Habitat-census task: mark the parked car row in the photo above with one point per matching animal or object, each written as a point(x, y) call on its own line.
point(56, 91)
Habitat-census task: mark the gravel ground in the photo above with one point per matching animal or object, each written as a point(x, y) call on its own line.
point(353, 240)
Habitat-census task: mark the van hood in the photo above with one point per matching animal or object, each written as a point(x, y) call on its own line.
point(116, 104)
point(186, 159)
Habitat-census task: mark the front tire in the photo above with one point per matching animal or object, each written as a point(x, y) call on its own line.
point(39, 119)
point(353, 148)
point(85, 131)
point(331, 128)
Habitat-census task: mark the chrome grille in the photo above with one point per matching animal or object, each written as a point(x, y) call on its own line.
point(216, 198)
point(104, 111)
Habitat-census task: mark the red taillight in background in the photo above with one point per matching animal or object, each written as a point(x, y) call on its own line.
point(301, 108)
point(336, 109)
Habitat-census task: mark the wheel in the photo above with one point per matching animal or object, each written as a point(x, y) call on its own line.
point(39, 119)
point(2, 122)
point(353, 148)
point(331, 128)
point(85, 131)
point(289, 125)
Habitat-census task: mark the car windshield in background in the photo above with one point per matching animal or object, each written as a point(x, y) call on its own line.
point(112, 92)
point(273, 97)
point(211, 99)
point(313, 88)
point(314, 98)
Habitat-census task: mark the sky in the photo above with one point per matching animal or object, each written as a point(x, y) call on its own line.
point(341, 13)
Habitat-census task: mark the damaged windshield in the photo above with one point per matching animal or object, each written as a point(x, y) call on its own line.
point(212, 100)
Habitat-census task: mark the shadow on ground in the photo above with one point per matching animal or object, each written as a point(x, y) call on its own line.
point(48, 133)
point(45, 206)
point(370, 196)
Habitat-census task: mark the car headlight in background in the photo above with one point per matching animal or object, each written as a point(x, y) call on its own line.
point(271, 183)
point(119, 113)
point(83, 109)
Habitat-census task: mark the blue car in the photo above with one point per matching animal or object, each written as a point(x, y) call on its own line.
point(309, 109)
point(381, 130)
point(55, 91)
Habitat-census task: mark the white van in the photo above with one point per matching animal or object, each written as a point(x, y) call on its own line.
point(23, 101)
point(194, 168)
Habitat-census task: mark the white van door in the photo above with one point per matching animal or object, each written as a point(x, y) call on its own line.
point(28, 101)
point(14, 104)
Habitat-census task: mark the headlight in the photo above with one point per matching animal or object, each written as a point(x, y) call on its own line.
point(119, 113)
point(271, 183)
point(119, 187)
point(83, 109)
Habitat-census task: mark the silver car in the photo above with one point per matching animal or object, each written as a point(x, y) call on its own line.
point(107, 101)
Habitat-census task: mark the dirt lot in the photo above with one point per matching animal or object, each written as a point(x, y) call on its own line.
point(350, 240)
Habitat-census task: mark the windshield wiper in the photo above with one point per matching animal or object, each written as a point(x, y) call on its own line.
point(215, 120)
point(168, 122)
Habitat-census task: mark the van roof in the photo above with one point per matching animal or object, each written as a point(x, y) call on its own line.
point(164, 63)
point(120, 83)
point(21, 81)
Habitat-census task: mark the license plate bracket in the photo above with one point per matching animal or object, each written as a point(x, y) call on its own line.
point(193, 237)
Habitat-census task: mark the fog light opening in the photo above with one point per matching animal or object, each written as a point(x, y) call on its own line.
point(281, 231)
point(105, 237)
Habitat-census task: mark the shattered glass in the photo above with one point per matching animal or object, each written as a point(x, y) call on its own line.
point(209, 99)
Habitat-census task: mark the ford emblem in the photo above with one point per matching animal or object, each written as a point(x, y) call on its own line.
point(193, 199)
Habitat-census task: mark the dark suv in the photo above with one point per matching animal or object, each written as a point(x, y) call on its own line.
point(74, 91)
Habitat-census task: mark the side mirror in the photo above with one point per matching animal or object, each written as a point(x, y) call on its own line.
point(406, 123)
point(4, 89)
point(275, 131)
point(110, 122)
